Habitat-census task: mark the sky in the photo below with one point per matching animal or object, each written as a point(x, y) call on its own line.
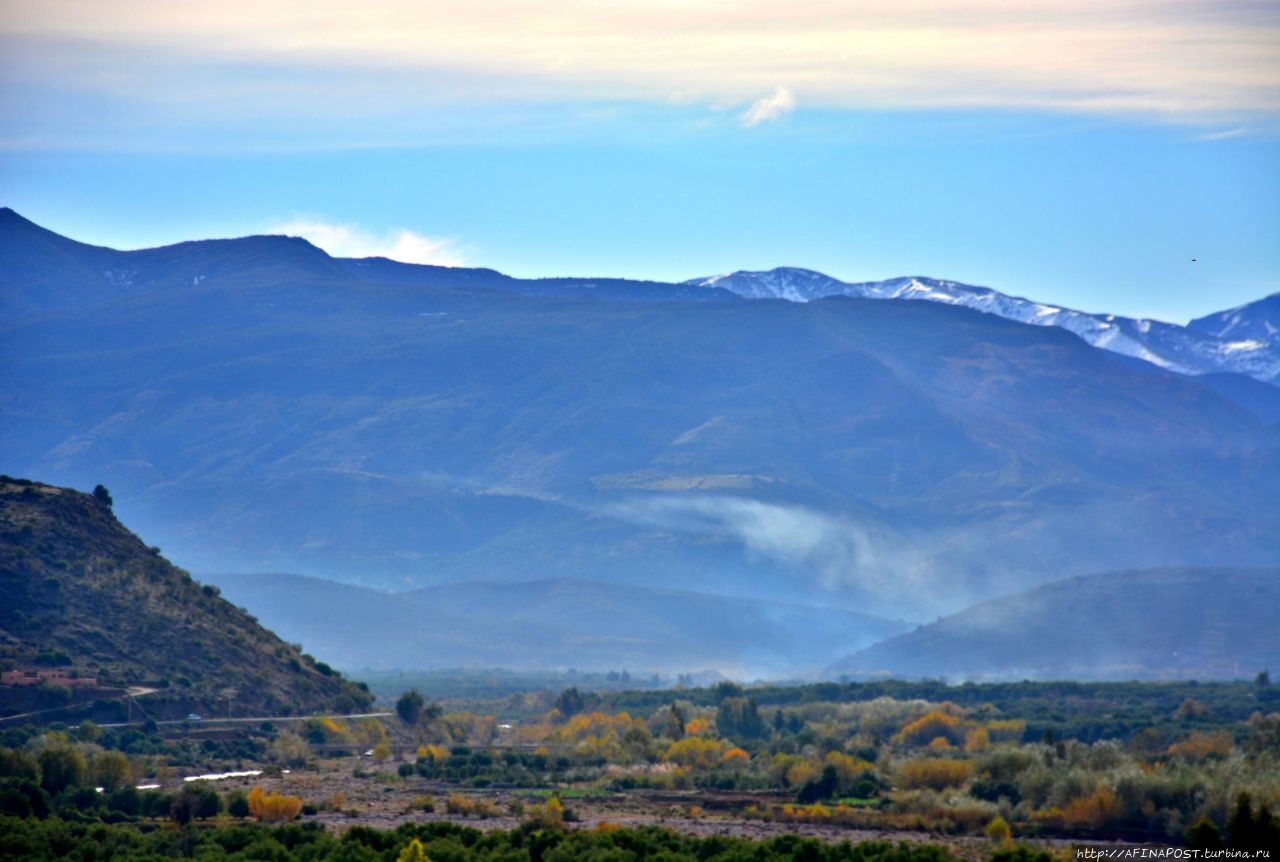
point(1105, 155)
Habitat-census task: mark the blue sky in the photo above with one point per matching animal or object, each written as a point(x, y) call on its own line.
point(1079, 153)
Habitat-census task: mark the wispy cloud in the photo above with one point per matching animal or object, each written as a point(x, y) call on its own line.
point(344, 240)
point(1223, 135)
point(837, 550)
point(769, 108)
point(1193, 61)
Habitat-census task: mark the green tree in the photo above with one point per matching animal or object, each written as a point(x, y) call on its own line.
point(571, 702)
point(409, 706)
point(61, 767)
point(739, 718)
point(15, 763)
point(289, 749)
point(195, 802)
point(816, 790)
point(110, 770)
point(1203, 835)
point(238, 804)
point(102, 495)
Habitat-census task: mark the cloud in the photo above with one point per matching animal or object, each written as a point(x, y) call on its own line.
point(363, 70)
point(769, 108)
point(342, 240)
point(1223, 135)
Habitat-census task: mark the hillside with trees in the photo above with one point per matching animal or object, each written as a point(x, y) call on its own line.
point(86, 600)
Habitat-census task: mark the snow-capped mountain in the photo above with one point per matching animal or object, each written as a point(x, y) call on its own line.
point(1257, 321)
point(1244, 340)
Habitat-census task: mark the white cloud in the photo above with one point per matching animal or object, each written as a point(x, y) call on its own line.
point(344, 240)
point(1223, 135)
point(1196, 61)
point(769, 108)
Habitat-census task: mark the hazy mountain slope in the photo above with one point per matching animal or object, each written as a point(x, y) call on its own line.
point(1162, 624)
point(75, 580)
point(557, 623)
point(1260, 399)
point(1246, 345)
point(898, 457)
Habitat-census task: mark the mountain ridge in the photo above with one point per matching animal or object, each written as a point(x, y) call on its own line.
point(1212, 623)
point(1198, 348)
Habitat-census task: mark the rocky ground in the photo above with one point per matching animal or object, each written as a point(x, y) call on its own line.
point(346, 793)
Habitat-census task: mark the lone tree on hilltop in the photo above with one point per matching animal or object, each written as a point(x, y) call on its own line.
point(102, 495)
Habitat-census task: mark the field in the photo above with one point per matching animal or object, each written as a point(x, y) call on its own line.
point(972, 769)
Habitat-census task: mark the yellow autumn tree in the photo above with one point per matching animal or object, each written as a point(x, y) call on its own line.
point(935, 774)
point(273, 807)
point(413, 852)
point(695, 751)
point(931, 726)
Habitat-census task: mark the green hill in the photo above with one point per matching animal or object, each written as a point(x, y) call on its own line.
point(83, 594)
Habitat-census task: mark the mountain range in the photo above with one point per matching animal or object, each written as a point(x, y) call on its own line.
point(256, 405)
point(1244, 340)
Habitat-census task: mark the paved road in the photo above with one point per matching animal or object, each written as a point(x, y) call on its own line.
point(215, 720)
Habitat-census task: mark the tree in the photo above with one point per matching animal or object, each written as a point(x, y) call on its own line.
point(273, 807)
point(570, 702)
point(1203, 835)
point(289, 749)
point(238, 804)
point(61, 767)
point(102, 495)
point(110, 770)
point(413, 852)
point(195, 802)
point(409, 706)
point(739, 717)
point(15, 763)
point(821, 788)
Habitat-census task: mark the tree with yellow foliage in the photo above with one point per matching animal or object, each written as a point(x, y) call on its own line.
point(413, 852)
point(273, 807)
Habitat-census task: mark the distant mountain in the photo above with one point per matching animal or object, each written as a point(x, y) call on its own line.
point(1256, 321)
point(566, 623)
point(83, 594)
point(1241, 341)
point(1162, 624)
point(41, 271)
point(417, 427)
